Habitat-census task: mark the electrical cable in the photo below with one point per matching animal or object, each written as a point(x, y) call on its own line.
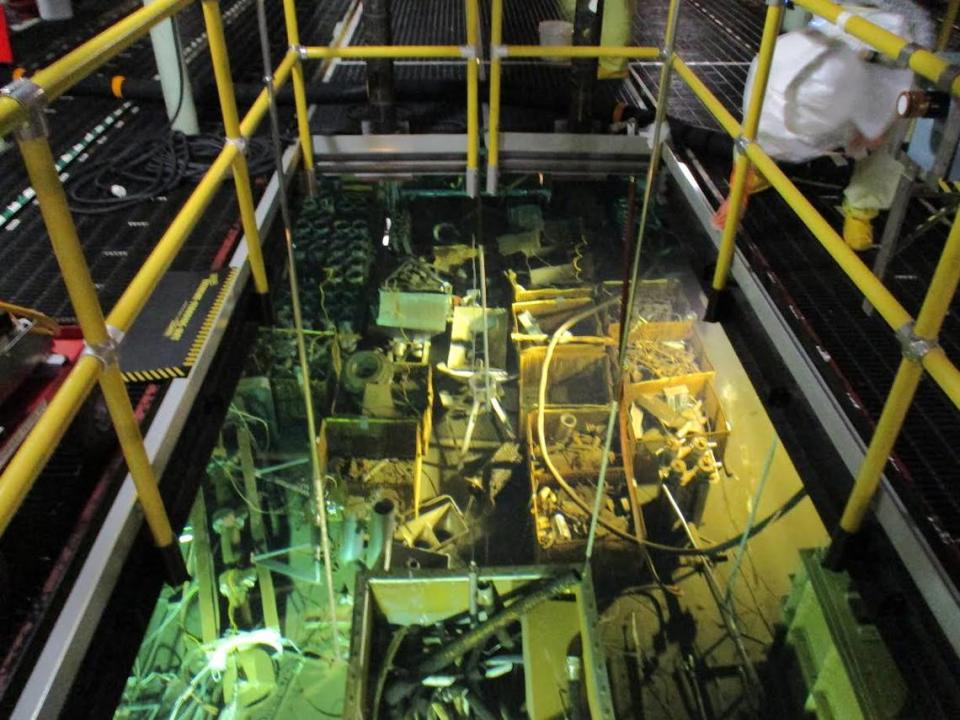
point(568, 489)
point(146, 170)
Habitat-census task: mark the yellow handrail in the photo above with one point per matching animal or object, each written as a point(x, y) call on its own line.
point(633, 52)
point(923, 62)
point(62, 74)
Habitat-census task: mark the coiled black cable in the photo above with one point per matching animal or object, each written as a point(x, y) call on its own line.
point(150, 169)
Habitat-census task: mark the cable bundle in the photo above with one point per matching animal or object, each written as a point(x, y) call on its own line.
point(145, 171)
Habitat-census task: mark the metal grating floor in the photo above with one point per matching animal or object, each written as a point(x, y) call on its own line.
point(856, 354)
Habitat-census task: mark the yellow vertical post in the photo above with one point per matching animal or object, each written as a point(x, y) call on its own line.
point(300, 95)
point(39, 162)
point(231, 126)
point(496, 68)
point(473, 89)
point(742, 165)
point(917, 340)
point(946, 28)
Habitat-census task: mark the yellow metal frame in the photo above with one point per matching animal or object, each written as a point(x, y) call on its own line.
point(24, 116)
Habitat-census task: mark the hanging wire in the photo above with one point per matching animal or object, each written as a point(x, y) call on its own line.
point(318, 479)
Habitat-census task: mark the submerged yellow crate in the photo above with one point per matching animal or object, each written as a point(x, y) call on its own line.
point(664, 350)
point(522, 294)
point(580, 467)
point(375, 457)
point(535, 321)
point(643, 439)
point(578, 375)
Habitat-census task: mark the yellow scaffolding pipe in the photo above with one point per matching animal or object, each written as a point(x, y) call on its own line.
point(393, 52)
point(231, 123)
point(496, 77)
point(45, 179)
point(473, 101)
point(576, 51)
point(946, 28)
point(935, 306)
point(741, 167)
point(61, 75)
point(923, 62)
point(138, 292)
point(300, 95)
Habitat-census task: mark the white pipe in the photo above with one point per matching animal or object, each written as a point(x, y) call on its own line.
point(174, 79)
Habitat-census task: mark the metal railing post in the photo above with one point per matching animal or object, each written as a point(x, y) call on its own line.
point(946, 28)
point(496, 69)
point(473, 90)
point(300, 95)
point(917, 340)
point(663, 93)
point(100, 342)
point(742, 165)
point(231, 124)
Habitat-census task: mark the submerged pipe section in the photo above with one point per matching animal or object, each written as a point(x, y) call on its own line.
point(376, 17)
point(587, 23)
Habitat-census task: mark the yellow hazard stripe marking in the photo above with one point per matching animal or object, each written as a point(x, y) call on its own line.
point(200, 340)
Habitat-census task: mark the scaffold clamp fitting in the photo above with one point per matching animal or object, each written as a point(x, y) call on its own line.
point(468, 52)
point(33, 99)
point(903, 57)
point(947, 77)
point(498, 51)
point(240, 142)
point(300, 50)
point(741, 143)
point(912, 345)
point(107, 352)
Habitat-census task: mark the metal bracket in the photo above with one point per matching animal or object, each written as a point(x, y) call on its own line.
point(914, 347)
point(240, 142)
point(33, 99)
point(300, 50)
point(107, 353)
point(903, 57)
point(946, 78)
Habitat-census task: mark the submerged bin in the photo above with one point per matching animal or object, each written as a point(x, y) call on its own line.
point(375, 458)
point(578, 375)
point(559, 620)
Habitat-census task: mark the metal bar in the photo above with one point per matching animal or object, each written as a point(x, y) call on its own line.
point(27, 464)
point(892, 227)
point(394, 52)
point(943, 287)
point(663, 93)
point(39, 163)
point(946, 28)
point(575, 51)
point(751, 518)
point(496, 77)
point(473, 102)
point(61, 75)
point(923, 62)
point(268, 596)
point(601, 482)
point(300, 94)
point(231, 123)
point(741, 167)
point(729, 620)
point(318, 485)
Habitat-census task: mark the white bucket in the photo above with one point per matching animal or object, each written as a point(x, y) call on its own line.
point(55, 9)
point(554, 33)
